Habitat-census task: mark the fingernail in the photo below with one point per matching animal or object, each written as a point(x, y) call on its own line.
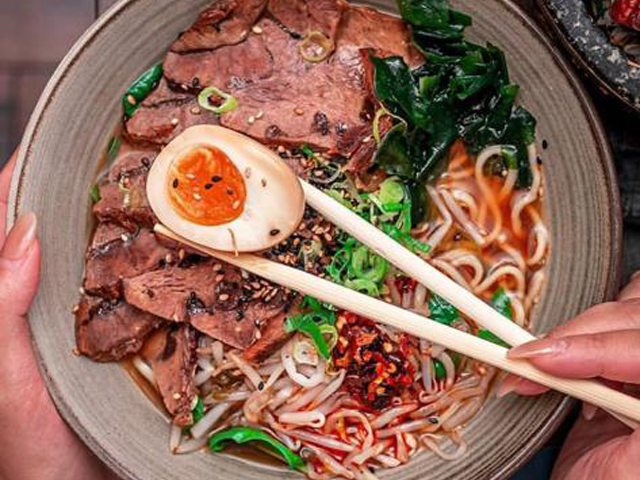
point(546, 347)
point(21, 237)
point(508, 385)
point(589, 411)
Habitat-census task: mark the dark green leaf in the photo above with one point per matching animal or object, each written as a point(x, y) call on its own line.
point(306, 149)
point(198, 411)
point(442, 311)
point(396, 89)
point(393, 153)
point(490, 337)
point(502, 303)
point(95, 193)
point(418, 196)
point(306, 323)
point(113, 150)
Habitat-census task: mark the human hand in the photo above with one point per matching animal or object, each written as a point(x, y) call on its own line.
point(603, 342)
point(35, 442)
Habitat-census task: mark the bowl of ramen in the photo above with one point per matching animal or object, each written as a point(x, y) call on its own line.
point(455, 129)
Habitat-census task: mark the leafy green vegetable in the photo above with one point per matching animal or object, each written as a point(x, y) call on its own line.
point(140, 89)
point(440, 371)
point(442, 311)
point(198, 411)
point(391, 192)
point(306, 149)
point(490, 337)
point(462, 92)
point(95, 193)
point(242, 435)
point(318, 324)
point(114, 149)
point(502, 303)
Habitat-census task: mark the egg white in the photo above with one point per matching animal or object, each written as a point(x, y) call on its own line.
point(274, 203)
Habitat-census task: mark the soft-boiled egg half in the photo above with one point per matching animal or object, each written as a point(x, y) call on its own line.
point(223, 190)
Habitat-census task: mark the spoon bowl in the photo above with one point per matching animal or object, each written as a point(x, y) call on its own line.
point(272, 203)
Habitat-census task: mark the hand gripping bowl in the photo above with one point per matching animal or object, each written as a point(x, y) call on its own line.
point(59, 160)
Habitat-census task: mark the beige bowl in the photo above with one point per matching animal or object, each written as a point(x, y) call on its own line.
point(70, 128)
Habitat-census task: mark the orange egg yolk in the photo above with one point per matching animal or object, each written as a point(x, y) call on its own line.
point(205, 187)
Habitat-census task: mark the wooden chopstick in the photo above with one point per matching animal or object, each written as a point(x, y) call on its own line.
point(418, 269)
point(415, 267)
point(419, 326)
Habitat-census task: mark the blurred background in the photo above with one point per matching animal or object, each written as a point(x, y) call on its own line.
point(34, 36)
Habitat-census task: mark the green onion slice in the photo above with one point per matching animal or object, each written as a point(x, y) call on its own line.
point(229, 103)
point(315, 47)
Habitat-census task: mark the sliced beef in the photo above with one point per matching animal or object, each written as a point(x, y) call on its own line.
point(225, 22)
point(131, 161)
point(227, 68)
point(273, 337)
point(162, 117)
point(166, 293)
point(123, 257)
point(208, 295)
point(108, 331)
point(171, 352)
point(327, 105)
point(366, 27)
point(125, 203)
point(302, 16)
point(106, 233)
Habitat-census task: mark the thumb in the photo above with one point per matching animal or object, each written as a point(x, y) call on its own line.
point(19, 267)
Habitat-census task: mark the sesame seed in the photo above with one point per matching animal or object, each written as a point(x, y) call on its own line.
point(131, 99)
point(261, 386)
point(281, 149)
point(181, 254)
point(175, 317)
point(208, 186)
point(328, 237)
point(175, 122)
point(75, 351)
point(258, 335)
point(252, 120)
point(216, 178)
point(235, 204)
point(298, 111)
point(177, 396)
point(244, 274)
point(219, 278)
point(190, 176)
point(197, 196)
point(124, 237)
point(176, 183)
point(257, 30)
point(259, 115)
point(224, 297)
point(229, 191)
point(75, 309)
point(274, 232)
point(217, 267)
point(263, 182)
point(196, 110)
point(247, 172)
point(168, 258)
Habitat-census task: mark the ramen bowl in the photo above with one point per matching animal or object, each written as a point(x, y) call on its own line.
point(60, 158)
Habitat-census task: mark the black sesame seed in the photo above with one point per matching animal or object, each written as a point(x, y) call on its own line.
point(195, 83)
point(175, 183)
point(545, 144)
point(229, 191)
point(261, 386)
point(216, 178)
point(146, 162)
point(274, 232)
point(539, 159)
point(433, 420)
point(208, 186)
